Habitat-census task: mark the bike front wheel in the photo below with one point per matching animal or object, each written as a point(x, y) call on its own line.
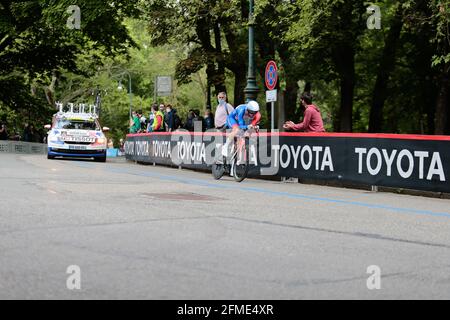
point(218, 170)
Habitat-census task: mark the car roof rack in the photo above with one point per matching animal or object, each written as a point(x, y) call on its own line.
point(76, 110)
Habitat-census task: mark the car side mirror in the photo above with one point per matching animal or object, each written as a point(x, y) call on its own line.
point(48, 126)
point(105, 129)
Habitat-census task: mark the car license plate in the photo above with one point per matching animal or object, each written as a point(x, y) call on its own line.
point(77, 148)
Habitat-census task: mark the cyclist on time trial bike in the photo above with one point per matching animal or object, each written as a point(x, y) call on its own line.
point(236, 121)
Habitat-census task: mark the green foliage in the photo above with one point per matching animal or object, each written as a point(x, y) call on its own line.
point(203, 45)
point(35, 41)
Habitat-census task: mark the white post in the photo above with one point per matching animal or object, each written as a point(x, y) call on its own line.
point(273, 116)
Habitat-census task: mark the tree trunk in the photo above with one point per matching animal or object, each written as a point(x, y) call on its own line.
point(204, 34)
point(239, 86)
point(441, 116)
point(387, 64)
point(237, 64)
point(448, 111)
point(50, 90)
point(346, 111)
point(210, 72)
point(290, 100)
point(344, 61)
point(290, 76)
point(220, 74)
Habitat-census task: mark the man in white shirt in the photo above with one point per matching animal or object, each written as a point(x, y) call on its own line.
point(223, 111)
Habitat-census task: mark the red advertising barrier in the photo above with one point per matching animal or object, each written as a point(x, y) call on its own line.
point(405, 161)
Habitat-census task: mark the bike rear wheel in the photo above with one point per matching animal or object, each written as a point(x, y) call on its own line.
point(240, 171)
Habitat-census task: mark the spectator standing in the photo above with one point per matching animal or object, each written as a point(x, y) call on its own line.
point(198, 118)
point(15, 136)
point(143, 121)
point(208, 121)
point(162, 109)
point(151, 118)
point(27, 133)
point(3, 131)
point(135, 124)
point(224, 109)
point(158, 121)
point(34, 135)
point(169, 119)
point(189, 124)
point(121, 147)
point(176, 120)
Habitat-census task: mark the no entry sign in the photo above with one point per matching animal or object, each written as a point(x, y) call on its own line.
point(271, 75)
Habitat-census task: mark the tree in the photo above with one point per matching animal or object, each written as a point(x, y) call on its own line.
point(326, 35)
point(385, 68)
point(212, 32)
point(36, 44)
point(441, 61)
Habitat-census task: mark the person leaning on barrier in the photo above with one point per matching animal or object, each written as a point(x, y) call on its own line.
point(312, 120)
point(224, 109)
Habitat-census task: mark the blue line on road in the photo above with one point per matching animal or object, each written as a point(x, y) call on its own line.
point(204, 183)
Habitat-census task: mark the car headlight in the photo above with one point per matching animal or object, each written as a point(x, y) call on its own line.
point(54, 139)
point(101, 140)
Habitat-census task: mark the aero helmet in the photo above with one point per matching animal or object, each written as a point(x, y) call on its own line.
point(253, 106)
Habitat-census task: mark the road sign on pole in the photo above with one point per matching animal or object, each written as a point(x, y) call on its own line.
point(164, 86)
point(271, 75)
point(271, 84)
point(271, 96)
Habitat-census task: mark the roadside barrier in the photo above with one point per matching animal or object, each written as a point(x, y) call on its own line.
point(20, 147)
point(401, 161)
point(112, 153)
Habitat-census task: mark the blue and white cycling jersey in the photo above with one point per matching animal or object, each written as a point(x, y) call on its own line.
point(237, 118)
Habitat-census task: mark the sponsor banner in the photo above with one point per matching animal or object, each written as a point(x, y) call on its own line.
point(5, 147)
point(412, 162)
point(38, 148)
point(21, 147)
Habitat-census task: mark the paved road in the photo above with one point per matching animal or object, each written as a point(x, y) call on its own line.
point(144, 232)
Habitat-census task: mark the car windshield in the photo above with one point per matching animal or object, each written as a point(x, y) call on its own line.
point(77, 124)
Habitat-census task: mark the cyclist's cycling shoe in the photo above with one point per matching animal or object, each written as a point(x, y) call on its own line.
point(225, 152)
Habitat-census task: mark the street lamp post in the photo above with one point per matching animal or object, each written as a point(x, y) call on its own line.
point(129, 90)
point(251, 91)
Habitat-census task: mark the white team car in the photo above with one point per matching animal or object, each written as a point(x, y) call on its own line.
point(76, 134)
